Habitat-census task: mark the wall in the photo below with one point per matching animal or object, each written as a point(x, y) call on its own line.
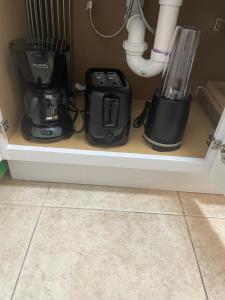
point(13, 25)
point(92, 51)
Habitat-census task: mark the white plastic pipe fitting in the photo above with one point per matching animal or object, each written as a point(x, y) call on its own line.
point(135, 45)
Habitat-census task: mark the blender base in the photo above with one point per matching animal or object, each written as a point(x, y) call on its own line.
point(162, 147)
point(166, 122)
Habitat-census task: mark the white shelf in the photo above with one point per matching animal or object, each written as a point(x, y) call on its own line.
point(132, 165)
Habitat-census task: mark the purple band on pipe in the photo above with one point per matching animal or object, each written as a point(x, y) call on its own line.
point(166, 53)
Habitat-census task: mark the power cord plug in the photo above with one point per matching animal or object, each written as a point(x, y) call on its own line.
point(89, 5)
point(79, 87)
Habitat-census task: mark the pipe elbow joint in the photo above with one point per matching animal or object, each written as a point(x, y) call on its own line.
point(144, 68)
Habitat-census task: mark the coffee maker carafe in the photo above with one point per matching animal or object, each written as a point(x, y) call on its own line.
point(44, 73)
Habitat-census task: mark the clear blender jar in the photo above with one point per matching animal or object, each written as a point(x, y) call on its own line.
point(177, 72)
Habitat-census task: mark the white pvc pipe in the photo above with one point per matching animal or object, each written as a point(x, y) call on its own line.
point(135, 46)
point(136, 29)
point(167, 22)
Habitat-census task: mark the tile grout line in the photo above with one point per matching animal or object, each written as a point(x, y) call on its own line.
point(204, 217)
point(194, 251)
point(20, 205)
point(114, 210)
point(29, 244)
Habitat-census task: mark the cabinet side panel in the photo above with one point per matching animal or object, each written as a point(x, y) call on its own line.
point(12, 25)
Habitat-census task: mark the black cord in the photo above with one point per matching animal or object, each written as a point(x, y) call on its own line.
point(140, 120)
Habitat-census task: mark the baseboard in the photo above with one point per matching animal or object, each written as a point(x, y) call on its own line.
point(120, 177)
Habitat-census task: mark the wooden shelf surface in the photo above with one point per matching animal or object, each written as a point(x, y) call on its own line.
point(198, 129)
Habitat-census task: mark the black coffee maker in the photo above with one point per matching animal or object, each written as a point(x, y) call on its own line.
point(44, 71)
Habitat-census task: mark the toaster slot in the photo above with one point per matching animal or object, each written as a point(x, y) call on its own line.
point(111, 112)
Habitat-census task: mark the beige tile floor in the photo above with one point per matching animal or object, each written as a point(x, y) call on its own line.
point(71, 242)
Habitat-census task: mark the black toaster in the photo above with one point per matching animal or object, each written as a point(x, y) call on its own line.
point(107, 107)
